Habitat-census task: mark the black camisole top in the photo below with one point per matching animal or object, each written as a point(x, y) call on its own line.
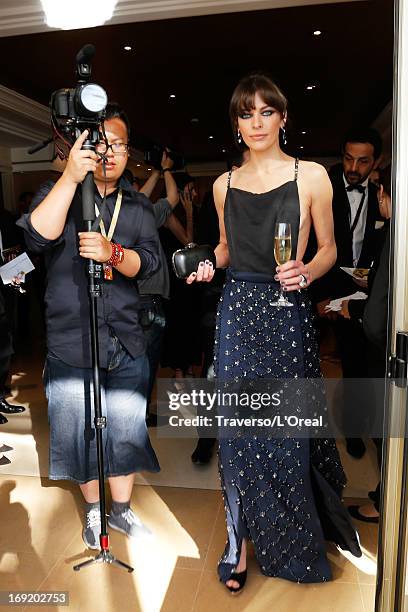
point(250, 220)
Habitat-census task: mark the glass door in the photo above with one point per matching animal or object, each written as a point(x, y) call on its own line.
point(393, 545)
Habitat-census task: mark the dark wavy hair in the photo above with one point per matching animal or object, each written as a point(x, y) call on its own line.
point(365, 136)
point(243, 98)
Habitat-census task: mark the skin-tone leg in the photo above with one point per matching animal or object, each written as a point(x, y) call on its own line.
point(90, 491)
point(121, 487)
point(240, 567)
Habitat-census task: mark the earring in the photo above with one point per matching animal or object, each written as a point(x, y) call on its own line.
point(285, 142)
point(239, 137)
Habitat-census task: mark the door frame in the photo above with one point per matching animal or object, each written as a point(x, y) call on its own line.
point(392, 543)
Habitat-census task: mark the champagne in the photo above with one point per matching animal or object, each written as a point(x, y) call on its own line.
point(282, 252)
point(283, 249)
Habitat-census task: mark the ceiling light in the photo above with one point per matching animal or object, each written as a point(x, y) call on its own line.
point(224, 150)
point(138, 165)
point(77, 13)
point(310, 87)
point(195, 120)
point(127, 48)
point(149, 169)
point(172, 96)
point(211, 138)
point(304, 132)
point(317, 33)
point(301, 147)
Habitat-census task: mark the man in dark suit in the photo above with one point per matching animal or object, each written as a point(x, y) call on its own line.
point(360, 210)
point(374, 314)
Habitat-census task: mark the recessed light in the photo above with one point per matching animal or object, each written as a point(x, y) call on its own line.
point(310, 87)
point(224, 150)
point(301, 147)
point(195, 120)
point(138, 165)
point(211, 138)
point(149, 169)
point(127, 48)
point(304, 132)
point(172, 96)
point(317, 33)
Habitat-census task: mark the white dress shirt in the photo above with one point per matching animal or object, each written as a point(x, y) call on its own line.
point(354, 198)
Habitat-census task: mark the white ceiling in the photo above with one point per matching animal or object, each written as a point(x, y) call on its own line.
point(27, 17)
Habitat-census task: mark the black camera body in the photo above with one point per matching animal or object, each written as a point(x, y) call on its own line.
point(153, 157)
point(76, 109)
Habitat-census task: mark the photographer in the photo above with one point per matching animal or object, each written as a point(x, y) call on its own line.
point(156, 288)
point(54, 227)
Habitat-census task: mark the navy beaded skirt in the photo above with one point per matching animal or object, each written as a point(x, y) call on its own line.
point(283, 494)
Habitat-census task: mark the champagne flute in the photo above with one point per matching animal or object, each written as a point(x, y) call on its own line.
point(282, 252)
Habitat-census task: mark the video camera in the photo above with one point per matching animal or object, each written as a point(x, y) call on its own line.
point(153, 157)
point(74, 110)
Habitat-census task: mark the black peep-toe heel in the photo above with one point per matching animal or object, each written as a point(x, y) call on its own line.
point(239, 577)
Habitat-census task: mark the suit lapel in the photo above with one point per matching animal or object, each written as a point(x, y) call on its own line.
point(367, 254)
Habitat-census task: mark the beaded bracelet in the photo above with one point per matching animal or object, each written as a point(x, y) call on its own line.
point(118, 255)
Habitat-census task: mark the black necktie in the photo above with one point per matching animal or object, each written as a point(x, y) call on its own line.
point(358, 188)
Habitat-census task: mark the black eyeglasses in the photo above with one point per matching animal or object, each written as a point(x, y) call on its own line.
point(117, 148)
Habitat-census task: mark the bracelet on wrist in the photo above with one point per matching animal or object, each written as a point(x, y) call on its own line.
point(117, 256)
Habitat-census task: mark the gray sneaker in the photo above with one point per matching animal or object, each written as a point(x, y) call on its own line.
point(92, 529)
point(129, 523)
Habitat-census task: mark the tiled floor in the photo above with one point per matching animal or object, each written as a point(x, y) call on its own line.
point(175, 569)
point(40, 541)
point(27, 433)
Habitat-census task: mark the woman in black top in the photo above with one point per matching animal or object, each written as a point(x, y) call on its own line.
point(277, 491)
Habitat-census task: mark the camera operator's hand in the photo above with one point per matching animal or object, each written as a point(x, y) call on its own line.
point(204, 274)
point(92, 245)
point(187, 203)
point(166, 161)
point(80, 162)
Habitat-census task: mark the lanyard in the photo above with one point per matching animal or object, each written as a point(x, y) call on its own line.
point(114, 218)
point(358, 213)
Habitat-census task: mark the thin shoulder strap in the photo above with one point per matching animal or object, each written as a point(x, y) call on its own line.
point(229, 179)
point(296, 168)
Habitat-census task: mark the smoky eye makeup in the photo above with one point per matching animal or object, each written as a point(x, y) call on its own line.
point(245, 114)
point(266, 112)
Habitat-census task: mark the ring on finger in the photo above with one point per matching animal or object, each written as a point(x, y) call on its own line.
point(302, 281)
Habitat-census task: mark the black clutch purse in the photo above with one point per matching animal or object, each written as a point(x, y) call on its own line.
point(185, 261)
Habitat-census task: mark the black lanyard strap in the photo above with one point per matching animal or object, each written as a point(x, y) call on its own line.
point(358, 214)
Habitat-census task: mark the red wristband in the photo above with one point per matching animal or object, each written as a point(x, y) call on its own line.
point(118, 255)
